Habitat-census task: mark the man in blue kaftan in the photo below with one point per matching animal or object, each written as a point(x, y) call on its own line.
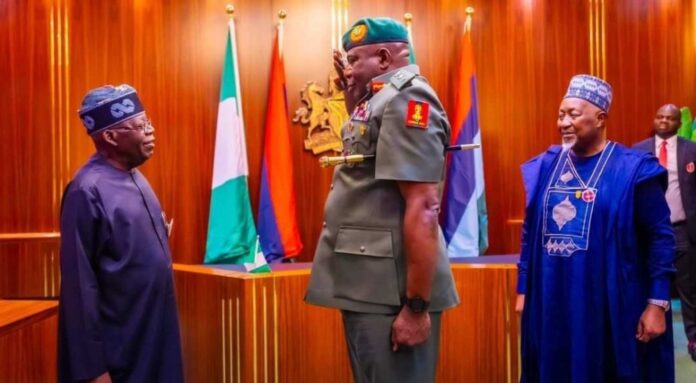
point(118, 317)
point(597, 253)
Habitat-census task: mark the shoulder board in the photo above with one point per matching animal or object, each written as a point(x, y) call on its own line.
point(401, 78)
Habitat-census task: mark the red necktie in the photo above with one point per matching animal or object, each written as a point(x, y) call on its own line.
point(663, 154)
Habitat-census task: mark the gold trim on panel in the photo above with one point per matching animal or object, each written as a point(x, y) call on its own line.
point(508, 326)
point(59, 78)
point(45, 272)
point(339, 22)
point(28, 236)
point(597, 34)
point(52, 81)
point(239, 354)
point(591, 37)
point(253, 328)
point(224, 354)
point(53, 274)
point(334, 27)
point(59, 82)
point(66, 74)
point(265, 336)
point(597, 43)
point(275, 329)
point(604, 42)
point(230, 311)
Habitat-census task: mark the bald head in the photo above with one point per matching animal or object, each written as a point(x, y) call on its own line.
point(667, 121)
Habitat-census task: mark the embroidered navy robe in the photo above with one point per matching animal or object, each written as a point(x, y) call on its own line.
point(597, 243)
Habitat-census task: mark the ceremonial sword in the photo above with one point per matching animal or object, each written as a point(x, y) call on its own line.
point(326, 161)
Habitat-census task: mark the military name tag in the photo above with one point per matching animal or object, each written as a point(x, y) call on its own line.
point(417, 114)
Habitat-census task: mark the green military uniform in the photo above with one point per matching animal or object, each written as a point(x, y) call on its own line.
point(360, 265)
point(360, 262)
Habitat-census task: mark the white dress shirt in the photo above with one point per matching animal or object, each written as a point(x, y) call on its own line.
point(673, 194)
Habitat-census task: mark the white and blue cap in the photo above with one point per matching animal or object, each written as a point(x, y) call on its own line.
point(109, 105)
point(592, 89)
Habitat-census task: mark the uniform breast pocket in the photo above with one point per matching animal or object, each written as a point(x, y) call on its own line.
point(362, 137)
point(365, 268)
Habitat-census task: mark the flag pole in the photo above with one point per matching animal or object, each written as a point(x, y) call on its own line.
point(408, 21)
point(469, 17)
point(229, 9)
point(282, 14)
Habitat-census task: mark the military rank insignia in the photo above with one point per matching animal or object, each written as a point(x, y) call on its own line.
point(417, 114)
point(377, 86)
point(358, 33)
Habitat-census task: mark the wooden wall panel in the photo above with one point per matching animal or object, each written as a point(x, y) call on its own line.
point(651, 61)
point(27, 152)
point(29, 269)
point(28, 341)
point(482, 330)
point(239, 327)
point(53, 51)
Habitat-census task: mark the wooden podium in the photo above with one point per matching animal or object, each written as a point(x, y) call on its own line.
point(28, 341)
point(239, 327)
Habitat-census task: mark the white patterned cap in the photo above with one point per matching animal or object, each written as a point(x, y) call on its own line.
point(592, 89)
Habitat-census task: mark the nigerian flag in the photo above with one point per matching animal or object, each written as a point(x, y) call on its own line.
point(231, 230)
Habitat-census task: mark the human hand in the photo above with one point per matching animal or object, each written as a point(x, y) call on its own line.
point(410, 329)
point(651, 324)
point(519, 303)
point(339, 64)
point(103, 378)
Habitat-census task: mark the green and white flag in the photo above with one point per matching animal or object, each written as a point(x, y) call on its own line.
point(232, 234)
point(259, 265)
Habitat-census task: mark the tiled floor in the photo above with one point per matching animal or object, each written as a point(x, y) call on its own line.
point(686, 368)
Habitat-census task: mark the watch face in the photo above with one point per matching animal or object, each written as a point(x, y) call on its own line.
point(417, 305)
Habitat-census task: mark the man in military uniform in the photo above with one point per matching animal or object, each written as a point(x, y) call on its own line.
point(381, 257)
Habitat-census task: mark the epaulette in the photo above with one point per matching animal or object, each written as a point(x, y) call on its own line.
point(401, 78)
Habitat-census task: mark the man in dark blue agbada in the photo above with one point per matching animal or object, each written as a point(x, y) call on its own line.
point(597, 254)
point(118, 317)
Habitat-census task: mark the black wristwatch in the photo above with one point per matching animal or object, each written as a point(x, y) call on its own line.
point(417, 304)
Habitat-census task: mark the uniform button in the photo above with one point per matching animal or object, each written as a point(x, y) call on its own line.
point(362, 249)
point(324, 224)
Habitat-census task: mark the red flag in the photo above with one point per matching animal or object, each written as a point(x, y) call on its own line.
point(278, 231)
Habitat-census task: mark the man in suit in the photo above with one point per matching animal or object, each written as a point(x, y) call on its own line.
point(678, 156)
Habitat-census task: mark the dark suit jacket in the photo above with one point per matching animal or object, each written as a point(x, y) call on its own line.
point(686, 160)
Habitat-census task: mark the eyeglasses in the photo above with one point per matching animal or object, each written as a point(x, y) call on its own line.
point(145, 127)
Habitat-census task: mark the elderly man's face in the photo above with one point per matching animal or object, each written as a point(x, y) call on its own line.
point(136, 140)
point(363, 65)
point(580, 122)
point(667, 121)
